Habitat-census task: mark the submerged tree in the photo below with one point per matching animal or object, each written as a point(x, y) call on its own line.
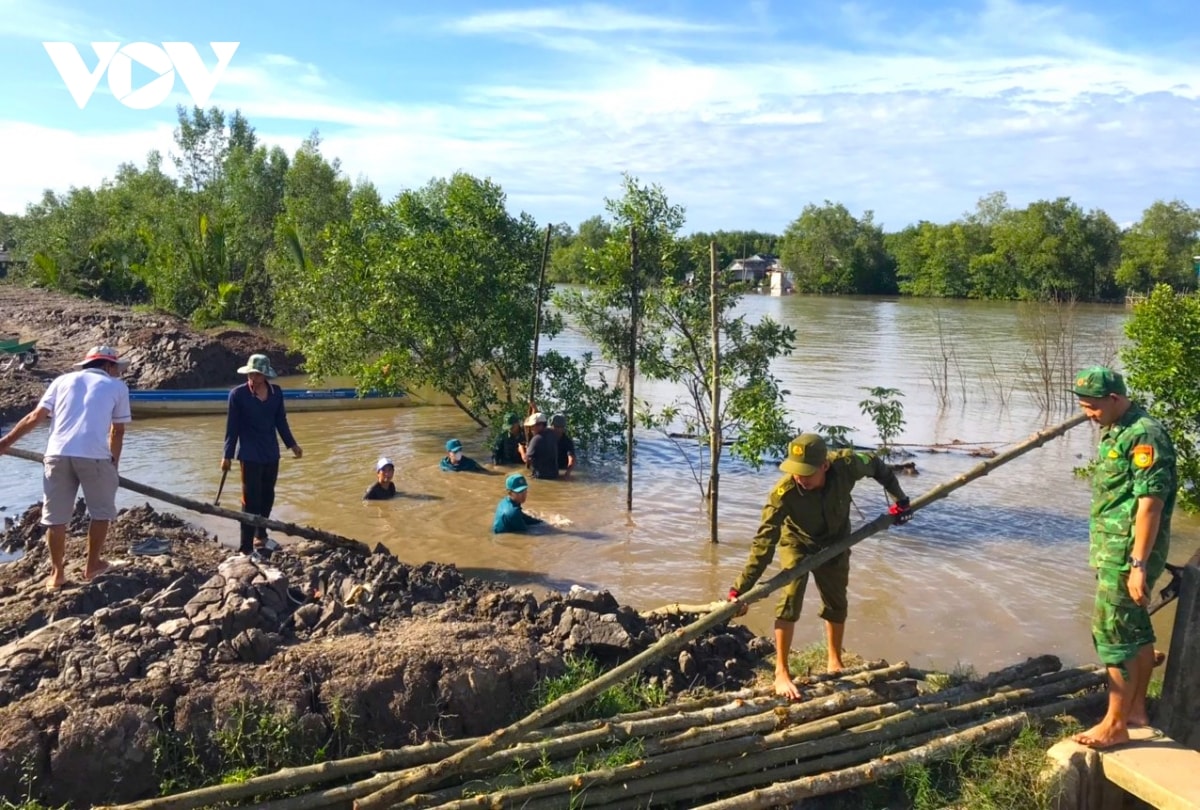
point(674, 333)
point(435, 290)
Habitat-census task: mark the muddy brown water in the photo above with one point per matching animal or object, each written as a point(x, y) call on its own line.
point(993, 574)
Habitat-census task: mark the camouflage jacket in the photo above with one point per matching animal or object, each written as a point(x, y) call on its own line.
point(1136, 458)
point(810, 520)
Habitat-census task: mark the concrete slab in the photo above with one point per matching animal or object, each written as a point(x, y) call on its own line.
point(1156, 769)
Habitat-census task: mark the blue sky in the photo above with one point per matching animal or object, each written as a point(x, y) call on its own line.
point(743, 111)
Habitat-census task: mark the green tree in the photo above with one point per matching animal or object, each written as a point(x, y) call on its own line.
point(829, 251)
point(934, 260)
point(437, 290)
point(1159, 248)
point(570, 251)
point(1049, 250)
point(1163, 362)
point(674, 333)
point(752, 413)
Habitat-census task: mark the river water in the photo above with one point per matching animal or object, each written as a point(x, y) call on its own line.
point(989, 576)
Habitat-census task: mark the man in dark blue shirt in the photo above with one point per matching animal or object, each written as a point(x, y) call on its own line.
point(541, 455)
point(256, 413)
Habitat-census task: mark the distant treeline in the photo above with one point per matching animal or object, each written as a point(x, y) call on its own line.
point(215, 242)
point(1049, 250)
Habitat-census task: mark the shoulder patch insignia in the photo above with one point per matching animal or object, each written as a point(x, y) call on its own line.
point(781, 491)
point(1143, 456)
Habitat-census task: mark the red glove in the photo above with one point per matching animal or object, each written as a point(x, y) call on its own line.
point(733, 594)
point(900, 511)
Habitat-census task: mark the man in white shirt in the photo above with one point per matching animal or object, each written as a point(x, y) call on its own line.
point(88, 410)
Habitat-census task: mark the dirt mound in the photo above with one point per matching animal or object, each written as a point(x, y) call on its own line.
point(352, 651)
point(165, 351)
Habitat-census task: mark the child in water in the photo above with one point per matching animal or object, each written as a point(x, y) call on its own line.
point(383, 488)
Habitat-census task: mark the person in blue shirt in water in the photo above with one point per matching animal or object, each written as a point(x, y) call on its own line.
point(455, 461)
point(509, 515)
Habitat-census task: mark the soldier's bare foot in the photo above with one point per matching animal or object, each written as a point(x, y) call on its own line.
point(834, 665)
point(786, 687)
point(56, 580)
point(1137, 719)
point(1103, 735)
point(93, 571)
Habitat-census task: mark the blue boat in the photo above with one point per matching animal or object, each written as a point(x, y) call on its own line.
point(198, 401)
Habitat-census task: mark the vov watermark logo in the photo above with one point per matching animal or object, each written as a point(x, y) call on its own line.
point(117, 60)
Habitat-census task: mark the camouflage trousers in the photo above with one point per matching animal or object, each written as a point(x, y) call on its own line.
point(832, 580)
point(1120, 626)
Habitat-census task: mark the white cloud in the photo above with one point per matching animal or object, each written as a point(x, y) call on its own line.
point(590, 17)
point(914, 130)
point(47, 21)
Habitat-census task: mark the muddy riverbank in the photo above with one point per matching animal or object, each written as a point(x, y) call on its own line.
point(165, 351)
point(103, 683)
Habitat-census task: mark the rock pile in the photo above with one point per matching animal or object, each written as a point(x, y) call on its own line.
point(93, 676)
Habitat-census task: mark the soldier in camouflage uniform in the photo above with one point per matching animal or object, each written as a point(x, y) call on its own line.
point(1133, 496)
point(808, 510)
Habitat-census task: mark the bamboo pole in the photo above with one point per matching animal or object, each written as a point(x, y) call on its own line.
point(752, 752)
point(570, 738)
point(416, 779)
point(702, 779)
point(633, 344)
point(537, 320)
point(241, 517)
point(988, 733)
point(714, 434)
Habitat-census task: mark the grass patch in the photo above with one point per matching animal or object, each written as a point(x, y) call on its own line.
point(631, 695)
point(251, 741)
point(960, 674)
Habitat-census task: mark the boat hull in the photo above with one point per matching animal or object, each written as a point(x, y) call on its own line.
point(195, 402)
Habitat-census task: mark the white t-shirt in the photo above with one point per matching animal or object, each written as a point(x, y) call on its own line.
point(83, 406)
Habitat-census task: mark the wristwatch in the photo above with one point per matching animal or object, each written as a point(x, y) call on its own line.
point(1135, 563)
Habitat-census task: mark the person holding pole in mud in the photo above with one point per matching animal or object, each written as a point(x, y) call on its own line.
point(1133, 496)
point(809, 509)
point(88, 410)
point(256, 413)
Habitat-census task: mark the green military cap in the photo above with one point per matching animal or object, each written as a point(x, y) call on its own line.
point(1098, 382)
point(806, 454)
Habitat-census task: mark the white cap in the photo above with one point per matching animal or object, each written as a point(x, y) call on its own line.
point(105, 353)
point(535, 418)
point(384, 461)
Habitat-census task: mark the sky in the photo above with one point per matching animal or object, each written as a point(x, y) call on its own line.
point(744, 112)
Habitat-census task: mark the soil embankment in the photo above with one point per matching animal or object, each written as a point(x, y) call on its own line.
point(103, 684)
point(165, 351)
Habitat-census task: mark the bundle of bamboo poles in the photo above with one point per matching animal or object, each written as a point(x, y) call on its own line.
point(847, 731)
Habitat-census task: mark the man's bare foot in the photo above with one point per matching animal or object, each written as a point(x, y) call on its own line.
point(1101, 736)
point(786, 687)
point(834, 665)
point(1137, 719)
point(56, 580)
point(91, 572)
